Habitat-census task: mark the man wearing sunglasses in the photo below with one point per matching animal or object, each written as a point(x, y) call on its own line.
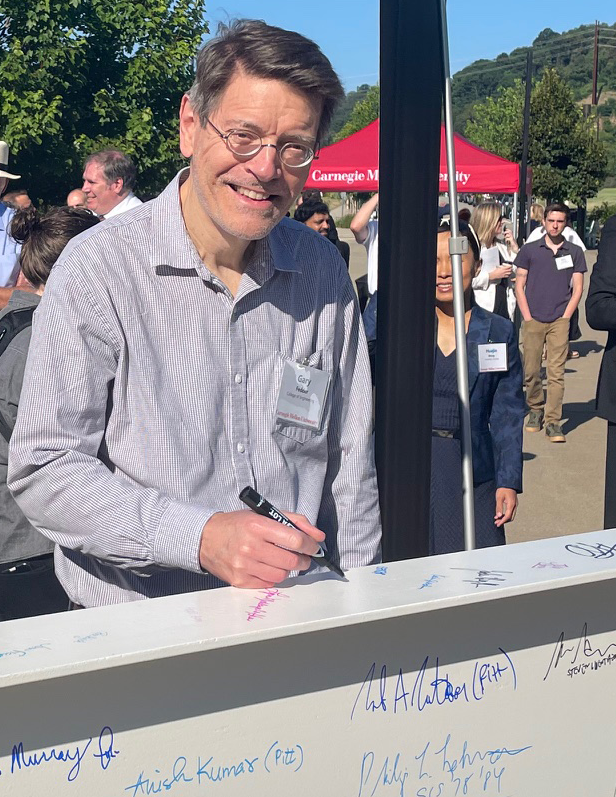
point(203, 343)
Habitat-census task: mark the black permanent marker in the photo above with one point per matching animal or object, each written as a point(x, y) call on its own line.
point(263, 507)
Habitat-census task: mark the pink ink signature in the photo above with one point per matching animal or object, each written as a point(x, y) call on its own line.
point(269, 596)
point(553, 565)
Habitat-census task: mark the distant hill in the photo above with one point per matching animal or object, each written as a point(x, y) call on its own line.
point(571, 53)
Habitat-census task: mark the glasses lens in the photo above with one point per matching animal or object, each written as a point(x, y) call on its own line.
point(294, 154)
point(243, 142)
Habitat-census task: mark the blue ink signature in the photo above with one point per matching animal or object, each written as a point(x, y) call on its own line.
point(599, 551)
point(380, 571)
point(284, 756)
point(90, 637)
point(431, 581)
point(388, 775)
point(435, 692)
point(21, 653)
point(448, 773)
point(278, 756)
point(583, 647)
point(106, 752)
point(156, 785)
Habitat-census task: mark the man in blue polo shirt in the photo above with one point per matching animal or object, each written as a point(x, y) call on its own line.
point(549, 284)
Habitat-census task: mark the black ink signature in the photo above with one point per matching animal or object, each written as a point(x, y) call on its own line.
point(599, 551)
point(485, 578)
point(583, 646)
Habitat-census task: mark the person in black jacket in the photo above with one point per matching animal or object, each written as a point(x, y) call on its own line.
point(601, 314)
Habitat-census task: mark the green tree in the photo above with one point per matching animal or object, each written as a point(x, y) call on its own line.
point(496, 124)
point(364, 112)
point(344, 110)
point(82, 75)
point(567, 161)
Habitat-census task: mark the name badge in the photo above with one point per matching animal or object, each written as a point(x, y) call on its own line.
point(492, 357)
point(303, 391)
point(566, 261)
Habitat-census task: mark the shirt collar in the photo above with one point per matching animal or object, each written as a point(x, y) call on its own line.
point(564, 247)
point(171, 244)
point(119, 208)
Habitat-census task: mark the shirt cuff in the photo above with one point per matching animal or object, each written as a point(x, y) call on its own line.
point(178, 539)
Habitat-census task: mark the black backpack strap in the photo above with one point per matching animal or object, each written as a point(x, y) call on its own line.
point(11, 325)
point(5, 430)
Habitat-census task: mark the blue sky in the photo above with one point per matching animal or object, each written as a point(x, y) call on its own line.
point(347, 30)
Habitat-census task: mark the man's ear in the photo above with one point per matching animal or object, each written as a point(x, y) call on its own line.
point(118, 186)
point(189, 121)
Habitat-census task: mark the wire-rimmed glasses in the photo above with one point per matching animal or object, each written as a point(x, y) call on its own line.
point(246, 144)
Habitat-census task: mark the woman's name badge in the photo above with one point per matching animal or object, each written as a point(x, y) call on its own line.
point(303, 391)
point(492, 357)
point(566, 261)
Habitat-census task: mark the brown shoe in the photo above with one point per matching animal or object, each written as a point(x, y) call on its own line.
point(554, 433)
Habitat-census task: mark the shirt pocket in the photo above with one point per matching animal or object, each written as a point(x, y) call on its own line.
point(320, 359)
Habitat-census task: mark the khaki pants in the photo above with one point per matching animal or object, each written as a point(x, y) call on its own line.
point(555, 335)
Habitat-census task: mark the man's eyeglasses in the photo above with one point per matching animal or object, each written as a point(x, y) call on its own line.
point(247, 144)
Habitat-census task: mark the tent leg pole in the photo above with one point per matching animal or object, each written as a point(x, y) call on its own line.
point(456, 247)
point(514, 216)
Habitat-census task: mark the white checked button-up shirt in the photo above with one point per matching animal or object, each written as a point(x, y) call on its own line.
point(149, 403)
point(129, 202)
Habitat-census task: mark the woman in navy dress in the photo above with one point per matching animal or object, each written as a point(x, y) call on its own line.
point(497, 412)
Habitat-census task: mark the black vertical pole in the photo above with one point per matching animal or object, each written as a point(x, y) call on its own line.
point(411, 103)
point(524, 164)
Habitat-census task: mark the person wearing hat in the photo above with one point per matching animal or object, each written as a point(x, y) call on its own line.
point(9, 248)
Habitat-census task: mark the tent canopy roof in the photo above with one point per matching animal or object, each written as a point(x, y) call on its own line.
point(353, 165)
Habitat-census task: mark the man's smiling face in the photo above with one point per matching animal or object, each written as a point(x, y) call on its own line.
point(245, 197)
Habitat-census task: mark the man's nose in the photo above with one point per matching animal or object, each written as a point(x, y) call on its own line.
point(266, 164)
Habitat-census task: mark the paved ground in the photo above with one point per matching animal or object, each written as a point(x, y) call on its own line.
point(563, 483)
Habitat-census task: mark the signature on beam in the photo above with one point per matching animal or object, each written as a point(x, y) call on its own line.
point(580, 653)
point(598, 551)
point(485, 578)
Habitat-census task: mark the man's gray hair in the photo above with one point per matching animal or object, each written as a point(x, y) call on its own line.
point(115, 165)
point(266, 52)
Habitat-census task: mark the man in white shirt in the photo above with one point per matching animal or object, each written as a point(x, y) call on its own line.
point(569, 234)
point(109, 177)
point(366, 232)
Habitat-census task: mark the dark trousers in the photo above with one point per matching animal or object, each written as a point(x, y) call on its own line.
point(609, 517)
point(29, 587)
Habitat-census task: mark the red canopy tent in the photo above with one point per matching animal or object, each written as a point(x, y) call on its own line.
point(353, 165)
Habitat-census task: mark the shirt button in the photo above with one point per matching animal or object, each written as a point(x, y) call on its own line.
point(238, 379)
point(241, 448)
